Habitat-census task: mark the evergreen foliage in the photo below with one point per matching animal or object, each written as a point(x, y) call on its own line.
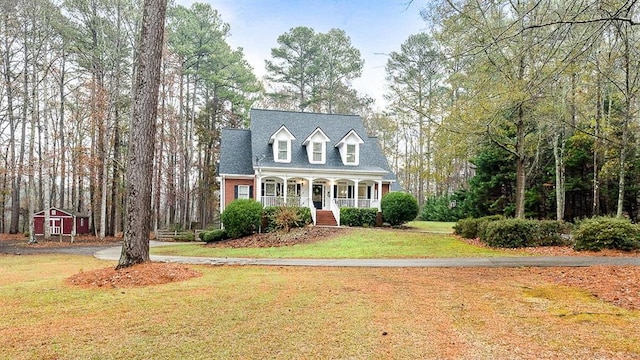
point(213, 235)
point(471, 228)
point(399, 208)
point(606, 233)
point(358, 216)
point(446, 208)
point(242, 217)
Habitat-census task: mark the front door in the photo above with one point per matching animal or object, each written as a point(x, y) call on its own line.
point(317, 196)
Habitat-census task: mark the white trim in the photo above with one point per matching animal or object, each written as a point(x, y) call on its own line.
point(324, 172)
point(308, 139)
point(274, 136)
point(236, 176)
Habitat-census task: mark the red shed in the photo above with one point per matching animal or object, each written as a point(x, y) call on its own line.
point(61, 222)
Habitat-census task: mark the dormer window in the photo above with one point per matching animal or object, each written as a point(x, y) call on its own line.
point(283, 150)
point(349, 147)
point(317, 152)
point(351, 153)
point(281, 143)
point(316, 144)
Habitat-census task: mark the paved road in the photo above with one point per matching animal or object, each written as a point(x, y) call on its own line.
point(525, 261)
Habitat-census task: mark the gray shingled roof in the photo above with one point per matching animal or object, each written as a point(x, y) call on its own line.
point(265, 123)
point(235, 152)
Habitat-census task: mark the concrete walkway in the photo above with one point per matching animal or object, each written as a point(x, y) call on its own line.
point(520, 261)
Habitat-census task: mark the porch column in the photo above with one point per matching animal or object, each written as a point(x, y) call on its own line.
point(310, 192)
point(258, 194)
point(332, 193)
point(355, 193)
point(379, 195)
point(284, 191)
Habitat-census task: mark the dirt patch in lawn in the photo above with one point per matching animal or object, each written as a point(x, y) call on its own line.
point(150, 273)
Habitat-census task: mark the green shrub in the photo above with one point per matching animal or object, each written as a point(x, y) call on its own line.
point(471, 228)
point(553, 233)
point(510, 233)
point(606, 233)
point(398, 208)
point(213, 235)
point(242, 217)
point(358, 216)
point(185, 236)
point(304, 216)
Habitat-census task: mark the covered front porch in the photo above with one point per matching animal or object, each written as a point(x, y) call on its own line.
point(319, 193)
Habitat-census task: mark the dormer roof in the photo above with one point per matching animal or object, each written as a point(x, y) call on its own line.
point(352, 134)
point(282, 129)
point(315, 132)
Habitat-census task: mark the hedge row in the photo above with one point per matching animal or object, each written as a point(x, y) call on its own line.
point(213, 235)
point(358, 216)
point(515, 233)
point(592, 234)
point(498, 231)
point(471, 228)
point(607, 233)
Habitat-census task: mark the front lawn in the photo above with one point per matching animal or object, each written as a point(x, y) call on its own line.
point(252, 312)
point(356, 244)
point(432, 226)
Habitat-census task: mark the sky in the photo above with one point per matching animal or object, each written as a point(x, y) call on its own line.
point(376, 28)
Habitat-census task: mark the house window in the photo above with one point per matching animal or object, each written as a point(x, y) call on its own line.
point(243, 192)
point(293, 189)
point(351, 153)
point(282, 150)
point(343, 191)
point(269, 189)
point(362, 192)
point(317, 152)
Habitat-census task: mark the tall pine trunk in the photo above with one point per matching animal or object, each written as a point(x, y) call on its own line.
point(139, 174)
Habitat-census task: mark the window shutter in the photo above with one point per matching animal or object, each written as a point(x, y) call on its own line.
point(350, 192)
point(250, 192)
point(335, 191)
point(368, 192)
point(235, 191)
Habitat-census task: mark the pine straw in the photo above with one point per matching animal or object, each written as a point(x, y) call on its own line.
point(149, 273)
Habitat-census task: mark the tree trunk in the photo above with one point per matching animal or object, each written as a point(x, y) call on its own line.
point(135, 248)
point(558, 154)
point(520, 164)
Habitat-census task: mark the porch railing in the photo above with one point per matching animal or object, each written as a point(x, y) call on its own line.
point(279, 201)
point(340, 203)
point(362, 203)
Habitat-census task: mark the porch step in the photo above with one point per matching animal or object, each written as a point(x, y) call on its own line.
point(325, 218)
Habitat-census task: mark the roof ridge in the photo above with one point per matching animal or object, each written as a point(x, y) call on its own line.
point(305, 112)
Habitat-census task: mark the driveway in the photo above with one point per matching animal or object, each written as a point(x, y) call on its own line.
point(113, 253)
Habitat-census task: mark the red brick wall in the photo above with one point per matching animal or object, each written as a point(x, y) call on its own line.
point(229, 185)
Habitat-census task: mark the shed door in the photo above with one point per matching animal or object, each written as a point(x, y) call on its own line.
point(54, 226)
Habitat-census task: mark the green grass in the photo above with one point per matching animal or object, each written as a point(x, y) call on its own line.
point(433, 226)
point(250, 312)
point(357, 244)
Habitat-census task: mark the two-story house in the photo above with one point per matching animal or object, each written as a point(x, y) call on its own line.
point(320, 161)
